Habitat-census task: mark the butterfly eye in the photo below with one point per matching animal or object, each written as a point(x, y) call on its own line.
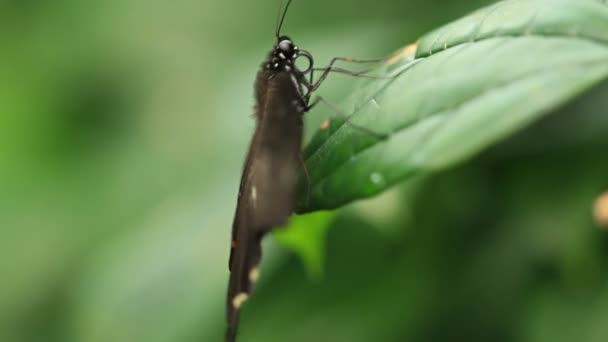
point(285, 46)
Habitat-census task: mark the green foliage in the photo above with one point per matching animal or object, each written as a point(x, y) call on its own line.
point(306, 235)
point(471, 84)
point(123, 127)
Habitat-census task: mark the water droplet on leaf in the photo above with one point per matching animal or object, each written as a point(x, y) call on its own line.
point(376, 178)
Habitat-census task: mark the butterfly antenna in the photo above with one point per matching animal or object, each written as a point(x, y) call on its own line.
point(282, 17)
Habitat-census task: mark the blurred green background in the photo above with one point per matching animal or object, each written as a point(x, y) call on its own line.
point(123, 129)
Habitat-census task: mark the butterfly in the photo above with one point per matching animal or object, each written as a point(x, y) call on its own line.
point(267, 189)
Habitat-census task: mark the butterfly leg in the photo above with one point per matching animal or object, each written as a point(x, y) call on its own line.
point(330, 67)
point(346, 118)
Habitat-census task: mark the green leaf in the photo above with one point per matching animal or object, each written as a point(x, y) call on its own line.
point(470, 84)
point(306, 237)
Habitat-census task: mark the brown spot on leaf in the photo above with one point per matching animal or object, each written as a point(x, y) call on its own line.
point(325, 124)
point(406, 52)
point(600, 210)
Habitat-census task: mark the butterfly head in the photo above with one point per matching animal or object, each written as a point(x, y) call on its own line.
point(285, 54)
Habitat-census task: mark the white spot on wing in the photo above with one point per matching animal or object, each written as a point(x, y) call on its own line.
point(254, 275)
point(239, 299)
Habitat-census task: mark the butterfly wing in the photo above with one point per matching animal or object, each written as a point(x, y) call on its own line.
point(267, 191)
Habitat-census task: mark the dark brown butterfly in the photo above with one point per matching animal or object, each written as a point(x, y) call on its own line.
point(267, 189)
